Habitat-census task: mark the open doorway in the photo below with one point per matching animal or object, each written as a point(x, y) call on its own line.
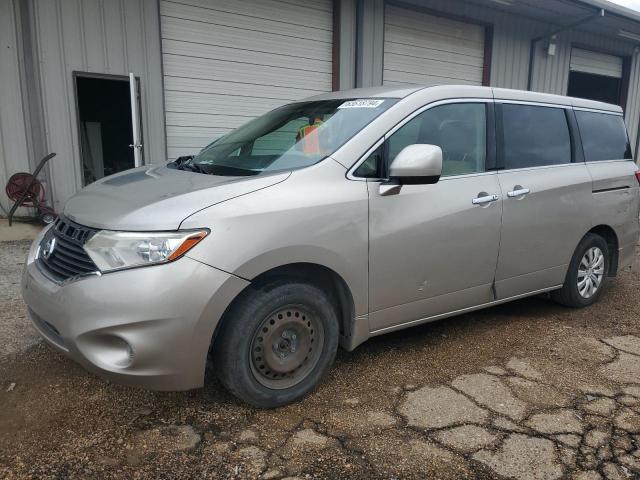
point(596, 76)
point(104, 125)
point(594, 87)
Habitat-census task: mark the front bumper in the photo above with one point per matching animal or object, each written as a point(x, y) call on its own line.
point(148, 326)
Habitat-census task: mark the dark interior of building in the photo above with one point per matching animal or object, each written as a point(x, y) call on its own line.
point(104, 112)
point(594, 87)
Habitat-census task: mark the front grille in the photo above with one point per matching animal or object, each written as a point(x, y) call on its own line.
point(67, 258)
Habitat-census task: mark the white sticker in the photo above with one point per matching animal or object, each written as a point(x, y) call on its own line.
point(362, 103)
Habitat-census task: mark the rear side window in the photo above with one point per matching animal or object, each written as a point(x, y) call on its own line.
point(604, 136)
point(535, 136)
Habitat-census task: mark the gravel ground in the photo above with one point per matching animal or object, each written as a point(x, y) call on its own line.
point(527, 390)
point(16, 333)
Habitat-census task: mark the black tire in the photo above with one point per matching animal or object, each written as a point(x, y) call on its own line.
point(569, 295)
point(305, 312)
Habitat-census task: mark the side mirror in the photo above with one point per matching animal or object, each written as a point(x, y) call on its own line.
point(417, 164)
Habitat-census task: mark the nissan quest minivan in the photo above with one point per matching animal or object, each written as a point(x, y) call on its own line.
point(331, 220)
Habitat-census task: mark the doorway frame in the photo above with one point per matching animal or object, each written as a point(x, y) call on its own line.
point(625, 79)
point(75, 75)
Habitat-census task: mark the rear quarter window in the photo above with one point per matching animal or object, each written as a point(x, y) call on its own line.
point(604, 136)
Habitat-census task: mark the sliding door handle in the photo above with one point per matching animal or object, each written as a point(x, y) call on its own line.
point(484, 199)
point(518, 192)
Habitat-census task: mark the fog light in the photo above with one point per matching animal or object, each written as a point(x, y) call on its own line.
point(113, 351)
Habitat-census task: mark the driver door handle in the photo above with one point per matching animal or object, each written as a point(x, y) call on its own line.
point(484, 199)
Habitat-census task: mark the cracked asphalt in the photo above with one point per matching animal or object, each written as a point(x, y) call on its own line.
point(526, 390)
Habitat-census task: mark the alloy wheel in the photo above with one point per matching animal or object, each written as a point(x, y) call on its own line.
point(590, 272)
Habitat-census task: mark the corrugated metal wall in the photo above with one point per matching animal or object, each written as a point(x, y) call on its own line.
point(551, 73)
point(370, 42)
point(14, 154)
point(632, 113)
point(97, 36)
point(424, 49)
point(588, 61)
point(347, 24)
point(227, 62)
point(512, 37)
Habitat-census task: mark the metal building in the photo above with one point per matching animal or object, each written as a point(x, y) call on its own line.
point(88, 78)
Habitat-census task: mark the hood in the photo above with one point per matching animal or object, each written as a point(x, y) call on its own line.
point(157, 197)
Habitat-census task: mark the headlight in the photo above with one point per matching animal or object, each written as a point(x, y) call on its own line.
point(117, 250)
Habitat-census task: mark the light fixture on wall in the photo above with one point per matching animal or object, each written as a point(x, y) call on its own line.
point(551, 49)
point(629, 35)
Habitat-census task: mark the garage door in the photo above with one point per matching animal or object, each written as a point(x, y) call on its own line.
point(425, 49)
point(227, 61)
point(586, 61)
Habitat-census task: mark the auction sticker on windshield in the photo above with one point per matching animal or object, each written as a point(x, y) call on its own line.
point(362, 103)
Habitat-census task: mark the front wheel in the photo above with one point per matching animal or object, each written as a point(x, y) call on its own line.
point(276, 343)
point(586, 274)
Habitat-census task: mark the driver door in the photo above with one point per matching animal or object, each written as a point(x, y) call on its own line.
point(434, 248)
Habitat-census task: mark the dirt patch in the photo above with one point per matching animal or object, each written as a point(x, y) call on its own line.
point(527, 390)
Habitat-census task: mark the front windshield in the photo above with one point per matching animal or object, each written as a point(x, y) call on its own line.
point(289, 137)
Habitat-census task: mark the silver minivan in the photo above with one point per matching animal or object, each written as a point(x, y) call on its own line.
point(331, 220)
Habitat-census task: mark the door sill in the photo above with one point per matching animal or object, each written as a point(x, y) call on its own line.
point(459, 312)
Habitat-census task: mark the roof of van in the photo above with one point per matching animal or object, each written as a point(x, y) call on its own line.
point(403, 91)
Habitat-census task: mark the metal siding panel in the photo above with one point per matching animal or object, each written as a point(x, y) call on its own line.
point(246, 74)
point(115, 45)
point(227, 62)
point(321, 31)
point(425, 49)
point(348, 40)
point(153, 127)
point(14, 153)
point(207, 85)
point(93, 33)
point(370, 32)
point(632, 109)
point(512, 37)
point(192, 32)
point(57, 95)
point(550, 72)
point(265, 9)
point(229, 54)
point(596, 63)
point(100, 36)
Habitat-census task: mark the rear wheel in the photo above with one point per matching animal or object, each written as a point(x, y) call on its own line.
point(277, 343)
point(586, 274)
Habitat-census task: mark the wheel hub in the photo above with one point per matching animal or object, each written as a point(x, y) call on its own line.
point(286, 344)
point(285, 347)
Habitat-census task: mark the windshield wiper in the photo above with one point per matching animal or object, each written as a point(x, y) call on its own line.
point(228, 171)
point(194, 167)
point(186, 163)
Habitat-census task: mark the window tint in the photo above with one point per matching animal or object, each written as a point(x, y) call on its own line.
point(279, 140)
point(604, 136)
point(535, 136)
point(371, 167)
point(293, 136)
point(460, 129)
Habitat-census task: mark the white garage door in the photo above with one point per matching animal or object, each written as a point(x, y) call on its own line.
point(428, 50)
point(227, 61)
point(586, 61)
